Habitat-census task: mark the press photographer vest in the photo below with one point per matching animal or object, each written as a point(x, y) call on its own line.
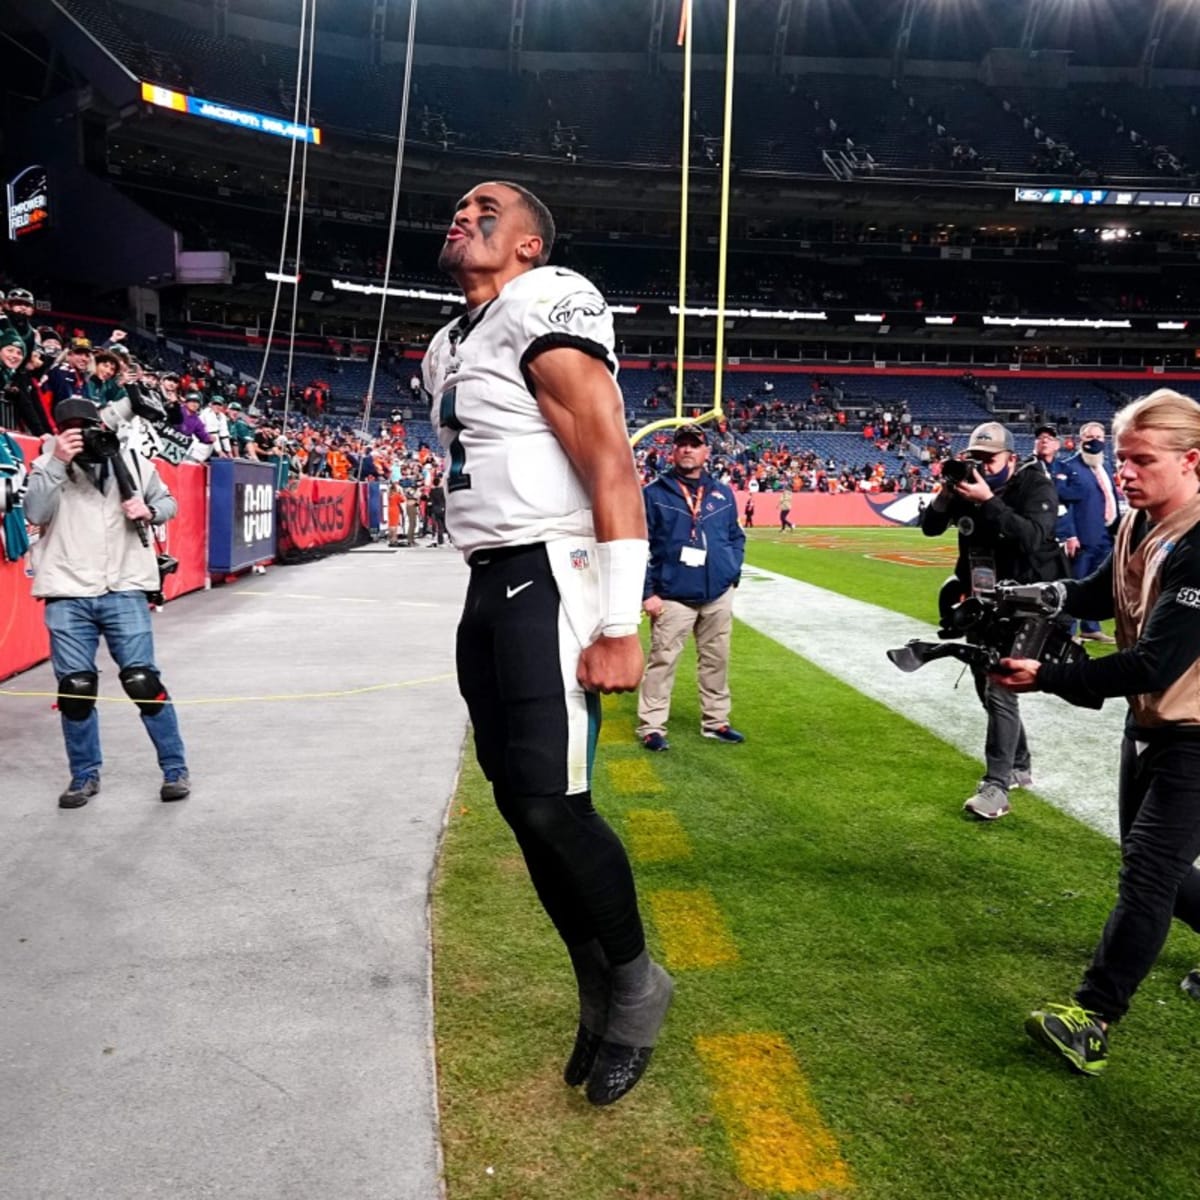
point(1137, 579)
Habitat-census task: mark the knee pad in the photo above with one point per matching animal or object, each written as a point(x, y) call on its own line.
point(77, 695)
point(143, 686)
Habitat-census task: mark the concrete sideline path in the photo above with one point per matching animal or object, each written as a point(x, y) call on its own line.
point(230, 996)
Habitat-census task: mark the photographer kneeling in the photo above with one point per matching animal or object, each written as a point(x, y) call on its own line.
point(1005, 514)
point(1151, 584)
point(93, 566)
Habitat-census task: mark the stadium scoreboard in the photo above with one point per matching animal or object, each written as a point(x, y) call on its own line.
point(1107, 197)
point(243, 118)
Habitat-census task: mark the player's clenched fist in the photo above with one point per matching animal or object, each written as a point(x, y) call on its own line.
point(611, 665)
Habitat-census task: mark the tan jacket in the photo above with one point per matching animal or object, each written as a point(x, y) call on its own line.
point(1137, 579)
point(87, 546)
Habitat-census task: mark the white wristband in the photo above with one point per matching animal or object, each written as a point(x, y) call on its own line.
point(622, 580)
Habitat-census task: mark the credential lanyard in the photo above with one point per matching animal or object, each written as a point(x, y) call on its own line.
point(693, 505)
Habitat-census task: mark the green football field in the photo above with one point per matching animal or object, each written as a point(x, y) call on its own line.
point(853, 960)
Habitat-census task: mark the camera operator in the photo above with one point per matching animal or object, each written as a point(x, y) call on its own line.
point(1151, 584)
point(93, 566)
point(1005, 513)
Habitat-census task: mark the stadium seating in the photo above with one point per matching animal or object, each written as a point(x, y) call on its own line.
point(782, 124)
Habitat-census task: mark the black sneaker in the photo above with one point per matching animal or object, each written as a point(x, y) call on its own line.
point(1072, 1032)
point(656, 743)
point(1191, 983)
point(79, 792)
point(175, 786)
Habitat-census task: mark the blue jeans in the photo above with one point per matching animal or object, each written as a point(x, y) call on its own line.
point(1006, 749)
point(75, 626)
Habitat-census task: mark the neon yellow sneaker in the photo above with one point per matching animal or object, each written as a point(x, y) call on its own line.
point(1072, 1032)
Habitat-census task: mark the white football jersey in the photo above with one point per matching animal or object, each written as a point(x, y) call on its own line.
point(508, 480)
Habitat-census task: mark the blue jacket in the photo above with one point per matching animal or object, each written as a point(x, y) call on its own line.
point(715, 531)
point(1078, 490)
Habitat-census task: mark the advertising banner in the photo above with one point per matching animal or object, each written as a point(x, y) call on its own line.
point(241, 514)
point(23, 637)
point(846, 509)
point(184, 537)
point(317, 516)
point(28, 203)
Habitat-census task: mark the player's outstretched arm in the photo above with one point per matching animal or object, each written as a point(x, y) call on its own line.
point(582, 404)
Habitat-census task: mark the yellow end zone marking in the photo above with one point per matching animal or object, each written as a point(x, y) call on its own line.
point(633, 777)
point(778, 1139)
point(692, 929)
point(656, 836)
point(617, 731)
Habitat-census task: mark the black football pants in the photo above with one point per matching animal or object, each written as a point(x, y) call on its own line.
point(535, 734)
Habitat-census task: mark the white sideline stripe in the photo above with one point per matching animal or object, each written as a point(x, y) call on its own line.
point(1075, 751)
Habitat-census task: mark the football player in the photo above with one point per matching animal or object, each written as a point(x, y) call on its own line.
point(543, 500)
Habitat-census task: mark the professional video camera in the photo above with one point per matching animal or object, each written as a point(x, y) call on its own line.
point(1017, 620)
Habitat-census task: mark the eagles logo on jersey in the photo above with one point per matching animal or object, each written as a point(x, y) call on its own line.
point(508, 480)
point(589, 303)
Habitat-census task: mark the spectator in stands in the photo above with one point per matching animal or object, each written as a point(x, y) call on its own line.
point(105, 388)
point(1086, 487)
point(93, 571)
point(18, 309)
point(73, 377)
point(241, 433)
point(189, 422)
point(20, 386)
point(217, 424)
point(168, 388)
point(696, 552)
point(1005, 514)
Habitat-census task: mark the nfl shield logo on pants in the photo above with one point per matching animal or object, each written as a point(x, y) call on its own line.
point(579, 560)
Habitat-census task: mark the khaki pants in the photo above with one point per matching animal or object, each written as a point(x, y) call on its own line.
point(712, 624)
